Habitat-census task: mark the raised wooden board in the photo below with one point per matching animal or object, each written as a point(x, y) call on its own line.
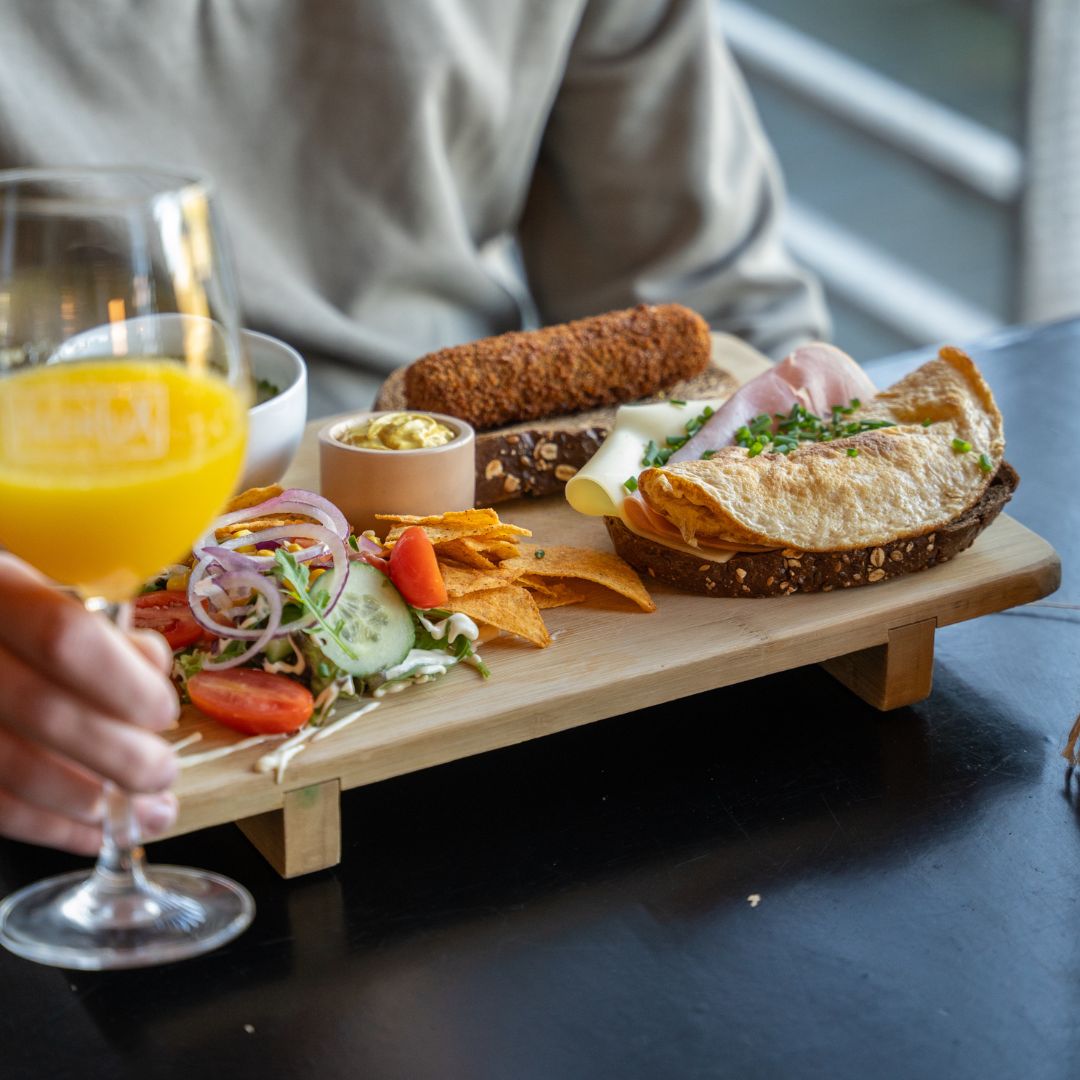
point(877, 639)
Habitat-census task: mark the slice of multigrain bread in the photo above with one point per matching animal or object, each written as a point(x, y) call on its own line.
point(781, 573)
point(538, 457)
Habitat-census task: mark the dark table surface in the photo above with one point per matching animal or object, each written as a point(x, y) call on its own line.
point(586, 905)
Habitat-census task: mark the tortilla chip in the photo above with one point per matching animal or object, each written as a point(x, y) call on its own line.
point(600, 598)
point(448, 526)
point(557, 594)
point(461, 580)
point(509, 608)
point(439, 534)
point(529, 581)
point(460, 551)
point(469, 520)
point(252, 497)
point(229, 531)
point(505, 531)
point(601, 567)
point(500, 583)
point(497, 550)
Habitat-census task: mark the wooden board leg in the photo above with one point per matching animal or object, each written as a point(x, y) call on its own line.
point(304, 835)
point(897, 673)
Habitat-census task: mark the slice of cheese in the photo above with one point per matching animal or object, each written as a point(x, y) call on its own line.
point(598, 487)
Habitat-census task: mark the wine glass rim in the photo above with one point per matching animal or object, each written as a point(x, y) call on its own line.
point(162, 180)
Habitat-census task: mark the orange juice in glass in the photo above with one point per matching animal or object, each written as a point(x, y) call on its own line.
point(123, 395)
point(109, 468)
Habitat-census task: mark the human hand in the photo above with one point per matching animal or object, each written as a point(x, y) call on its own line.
point(79, 701)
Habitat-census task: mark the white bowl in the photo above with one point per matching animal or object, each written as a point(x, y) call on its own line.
point(275, 427)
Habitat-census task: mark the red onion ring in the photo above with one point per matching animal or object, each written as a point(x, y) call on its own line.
point(340, 525)
point(206, 583)
point(251, 581)
point(293, 501)
point(366, 544)
point(231, 560)
point(327, 541)
point(203, 586)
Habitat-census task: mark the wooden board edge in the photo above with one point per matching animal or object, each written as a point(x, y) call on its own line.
point(1038, 578)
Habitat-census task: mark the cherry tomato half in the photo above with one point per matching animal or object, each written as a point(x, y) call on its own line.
point(169, 614)
point(251, 701)
point(414, 570)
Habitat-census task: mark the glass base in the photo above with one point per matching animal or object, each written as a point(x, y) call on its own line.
point(81, 921)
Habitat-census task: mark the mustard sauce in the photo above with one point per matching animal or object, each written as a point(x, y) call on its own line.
point(399, 431)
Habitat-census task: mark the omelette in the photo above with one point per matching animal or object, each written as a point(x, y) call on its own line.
point(931, 465)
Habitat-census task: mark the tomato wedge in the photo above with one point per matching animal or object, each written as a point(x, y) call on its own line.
point(169, 614)
point(414, 570)
point(251, 701)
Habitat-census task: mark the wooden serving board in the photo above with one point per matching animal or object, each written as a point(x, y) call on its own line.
point(877, 639)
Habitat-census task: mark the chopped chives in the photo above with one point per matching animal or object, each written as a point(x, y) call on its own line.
point(676, 401)
point(853, 451)
point(539, 553)
point(631, 484)
point(985, 463)
point(961, 446)
point(927, 422)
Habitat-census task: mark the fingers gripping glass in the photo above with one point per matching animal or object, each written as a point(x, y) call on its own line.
point(123, 397)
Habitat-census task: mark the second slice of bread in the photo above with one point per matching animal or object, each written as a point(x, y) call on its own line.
point(538, 457)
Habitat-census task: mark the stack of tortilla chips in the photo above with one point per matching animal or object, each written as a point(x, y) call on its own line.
point(504, 584)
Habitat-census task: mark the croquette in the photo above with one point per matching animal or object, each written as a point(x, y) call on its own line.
point(531, 374)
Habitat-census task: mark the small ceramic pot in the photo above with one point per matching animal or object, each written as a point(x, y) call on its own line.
point(364, 482)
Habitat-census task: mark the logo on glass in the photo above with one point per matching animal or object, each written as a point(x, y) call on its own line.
point(84, 424)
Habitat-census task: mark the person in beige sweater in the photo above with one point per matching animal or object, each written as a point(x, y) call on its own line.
point(395, 178)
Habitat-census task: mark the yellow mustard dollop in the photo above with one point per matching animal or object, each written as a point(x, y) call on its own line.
point(399, 431)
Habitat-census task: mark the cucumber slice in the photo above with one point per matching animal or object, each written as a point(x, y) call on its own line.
point(371, 618)
point(277, 649)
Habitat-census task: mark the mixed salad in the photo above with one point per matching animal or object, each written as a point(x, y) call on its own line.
point(275, 624)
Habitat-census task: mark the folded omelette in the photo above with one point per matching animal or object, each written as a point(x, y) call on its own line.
point(906, 480)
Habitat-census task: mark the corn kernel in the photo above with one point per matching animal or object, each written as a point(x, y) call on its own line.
point(292, 546)
point(177, 583)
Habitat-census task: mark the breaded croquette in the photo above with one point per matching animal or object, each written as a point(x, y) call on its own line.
point(527, 375)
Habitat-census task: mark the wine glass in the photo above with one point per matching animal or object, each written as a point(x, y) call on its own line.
point(123, 398)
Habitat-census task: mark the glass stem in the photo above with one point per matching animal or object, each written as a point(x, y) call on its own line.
point(120, 862)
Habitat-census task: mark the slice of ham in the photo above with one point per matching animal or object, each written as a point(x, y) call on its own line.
point(646, 520)
point(815, 376)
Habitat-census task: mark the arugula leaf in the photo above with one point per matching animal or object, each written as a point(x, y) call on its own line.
point(463, 650)
point(297, 576)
